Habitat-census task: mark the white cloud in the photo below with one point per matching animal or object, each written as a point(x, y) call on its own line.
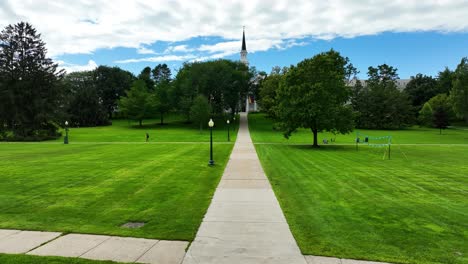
point(164, 58)
point(178, 48)
point(73, 27)
point(144, 50)
point(68, 67)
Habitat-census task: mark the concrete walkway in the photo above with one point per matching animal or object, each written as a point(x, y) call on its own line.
point(244, 223)
point(121, 249)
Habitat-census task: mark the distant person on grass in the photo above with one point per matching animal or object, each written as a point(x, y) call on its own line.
point(147, 137)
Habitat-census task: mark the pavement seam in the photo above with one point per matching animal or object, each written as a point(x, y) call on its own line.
point(146, 251)
point(43, 244)
point(95, 246)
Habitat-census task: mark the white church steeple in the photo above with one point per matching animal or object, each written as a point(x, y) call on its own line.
point(243, 52)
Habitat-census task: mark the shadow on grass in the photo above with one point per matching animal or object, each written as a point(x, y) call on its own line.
point(329, 147)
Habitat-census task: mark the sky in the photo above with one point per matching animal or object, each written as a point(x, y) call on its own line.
point(413, 36)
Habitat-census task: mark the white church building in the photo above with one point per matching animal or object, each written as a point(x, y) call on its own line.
point(250, 101)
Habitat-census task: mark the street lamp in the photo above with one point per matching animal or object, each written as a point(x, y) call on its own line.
point(211, 124)
point(229, 138)
point(65, 140)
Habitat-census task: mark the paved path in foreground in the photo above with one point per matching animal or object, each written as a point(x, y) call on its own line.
point(121, 249)
point(244, 223)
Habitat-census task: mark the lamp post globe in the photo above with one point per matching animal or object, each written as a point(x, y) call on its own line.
point(211, 124)
point(228, 122)
point(65, 139)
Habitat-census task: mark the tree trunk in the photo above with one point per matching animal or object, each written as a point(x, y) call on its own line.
point(162, 119)
point(315, 145)
point(201, 127)
point(140, 122)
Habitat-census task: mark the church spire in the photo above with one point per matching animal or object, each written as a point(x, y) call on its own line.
point(244, 47)
point(243, 52)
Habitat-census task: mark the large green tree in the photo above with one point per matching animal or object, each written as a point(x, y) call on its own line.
point(444, 81)
point(30, 94)
point(225, 83)
point(459, 93)
point(111, 83)
point(314, 96)
point(139, 103)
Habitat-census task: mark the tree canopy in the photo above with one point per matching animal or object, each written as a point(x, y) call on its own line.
point(380, 105)
point(459, 93)
point(139, 103)
point(314, 95)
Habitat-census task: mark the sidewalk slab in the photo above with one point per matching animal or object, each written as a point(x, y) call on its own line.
point(72, 245)
point(165, 252)
point(24, 241)
point(245, 195)
point(322, 260)
point(244, 184)
point(7, 232)
point(244, 212)
point(121, 249)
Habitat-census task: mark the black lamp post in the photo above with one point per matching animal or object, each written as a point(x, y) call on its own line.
point(65, 140)
point(211, 124)
point(229, 138)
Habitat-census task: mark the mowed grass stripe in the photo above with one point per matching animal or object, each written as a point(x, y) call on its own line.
point(96, 188)
point(344, 203)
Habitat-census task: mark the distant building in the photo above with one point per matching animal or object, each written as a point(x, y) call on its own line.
point(400, 83)
point(250, 101)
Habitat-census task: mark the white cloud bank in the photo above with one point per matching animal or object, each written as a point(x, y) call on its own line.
point(73, 27)
point(68, 67)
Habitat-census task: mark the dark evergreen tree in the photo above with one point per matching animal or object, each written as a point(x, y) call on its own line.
point(420, 89)
point(162, 79)
point(84, 105)
point(30, 91)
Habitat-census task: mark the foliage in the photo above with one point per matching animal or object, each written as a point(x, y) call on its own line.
point(459, 93)
point(314, 95)
point(162, 79)
point(200, 111)
point(444, 81)
point(83, 103)
point(139, 103)
point(111, 83)
point(425, 115)
point(145, 75)
point(269, 88)
point(440, 118)
point(380, 105)
point(223, 82)
point(30, 91)
point(421, 88)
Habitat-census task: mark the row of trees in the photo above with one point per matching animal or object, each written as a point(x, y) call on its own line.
point(212, 87)
point(36, 98)
point(317, 94)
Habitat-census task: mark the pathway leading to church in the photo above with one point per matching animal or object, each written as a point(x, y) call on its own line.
point(244, 223)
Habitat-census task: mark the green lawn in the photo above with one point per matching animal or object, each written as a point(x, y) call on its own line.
point(96, 187)
point(174, 130)
point(262, 131)
point(27, 259)
point(343, 203)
